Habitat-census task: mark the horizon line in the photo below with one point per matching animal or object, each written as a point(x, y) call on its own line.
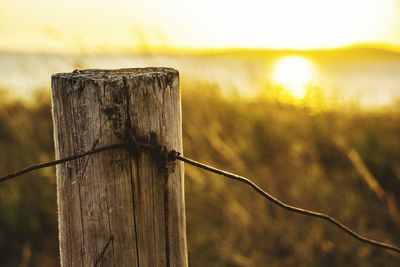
point(169, 50)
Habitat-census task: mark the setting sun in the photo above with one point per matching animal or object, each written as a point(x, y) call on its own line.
point(293, 73)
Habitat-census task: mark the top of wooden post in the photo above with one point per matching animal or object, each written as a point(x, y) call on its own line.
point(104, 74)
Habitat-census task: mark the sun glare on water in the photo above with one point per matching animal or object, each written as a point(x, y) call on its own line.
point(293, 73)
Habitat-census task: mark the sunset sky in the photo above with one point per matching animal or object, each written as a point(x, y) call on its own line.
point(126, 25)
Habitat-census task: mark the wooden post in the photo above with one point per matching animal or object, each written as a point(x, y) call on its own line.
point(116, 208)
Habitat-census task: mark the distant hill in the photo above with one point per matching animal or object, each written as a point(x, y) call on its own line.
point(353, 53)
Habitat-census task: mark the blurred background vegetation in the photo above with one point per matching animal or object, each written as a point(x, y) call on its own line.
point(341, 161)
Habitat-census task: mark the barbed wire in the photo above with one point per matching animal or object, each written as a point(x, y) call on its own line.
point(175, 155)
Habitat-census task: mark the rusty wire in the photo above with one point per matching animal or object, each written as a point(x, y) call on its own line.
point(287, 206)
point(59, 161)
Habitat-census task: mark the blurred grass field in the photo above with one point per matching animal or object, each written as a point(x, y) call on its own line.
point(341, 161)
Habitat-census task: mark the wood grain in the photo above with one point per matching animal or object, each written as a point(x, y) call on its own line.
point(117, 208)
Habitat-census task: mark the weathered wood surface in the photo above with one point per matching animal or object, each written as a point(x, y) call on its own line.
point(115, 208)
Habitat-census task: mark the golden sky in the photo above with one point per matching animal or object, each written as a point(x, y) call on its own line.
point(126, 25)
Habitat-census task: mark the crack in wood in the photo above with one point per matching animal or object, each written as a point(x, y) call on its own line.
point(103, 251)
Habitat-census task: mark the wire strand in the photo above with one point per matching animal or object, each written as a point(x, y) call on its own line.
point(287, 206)
point(59, 161)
